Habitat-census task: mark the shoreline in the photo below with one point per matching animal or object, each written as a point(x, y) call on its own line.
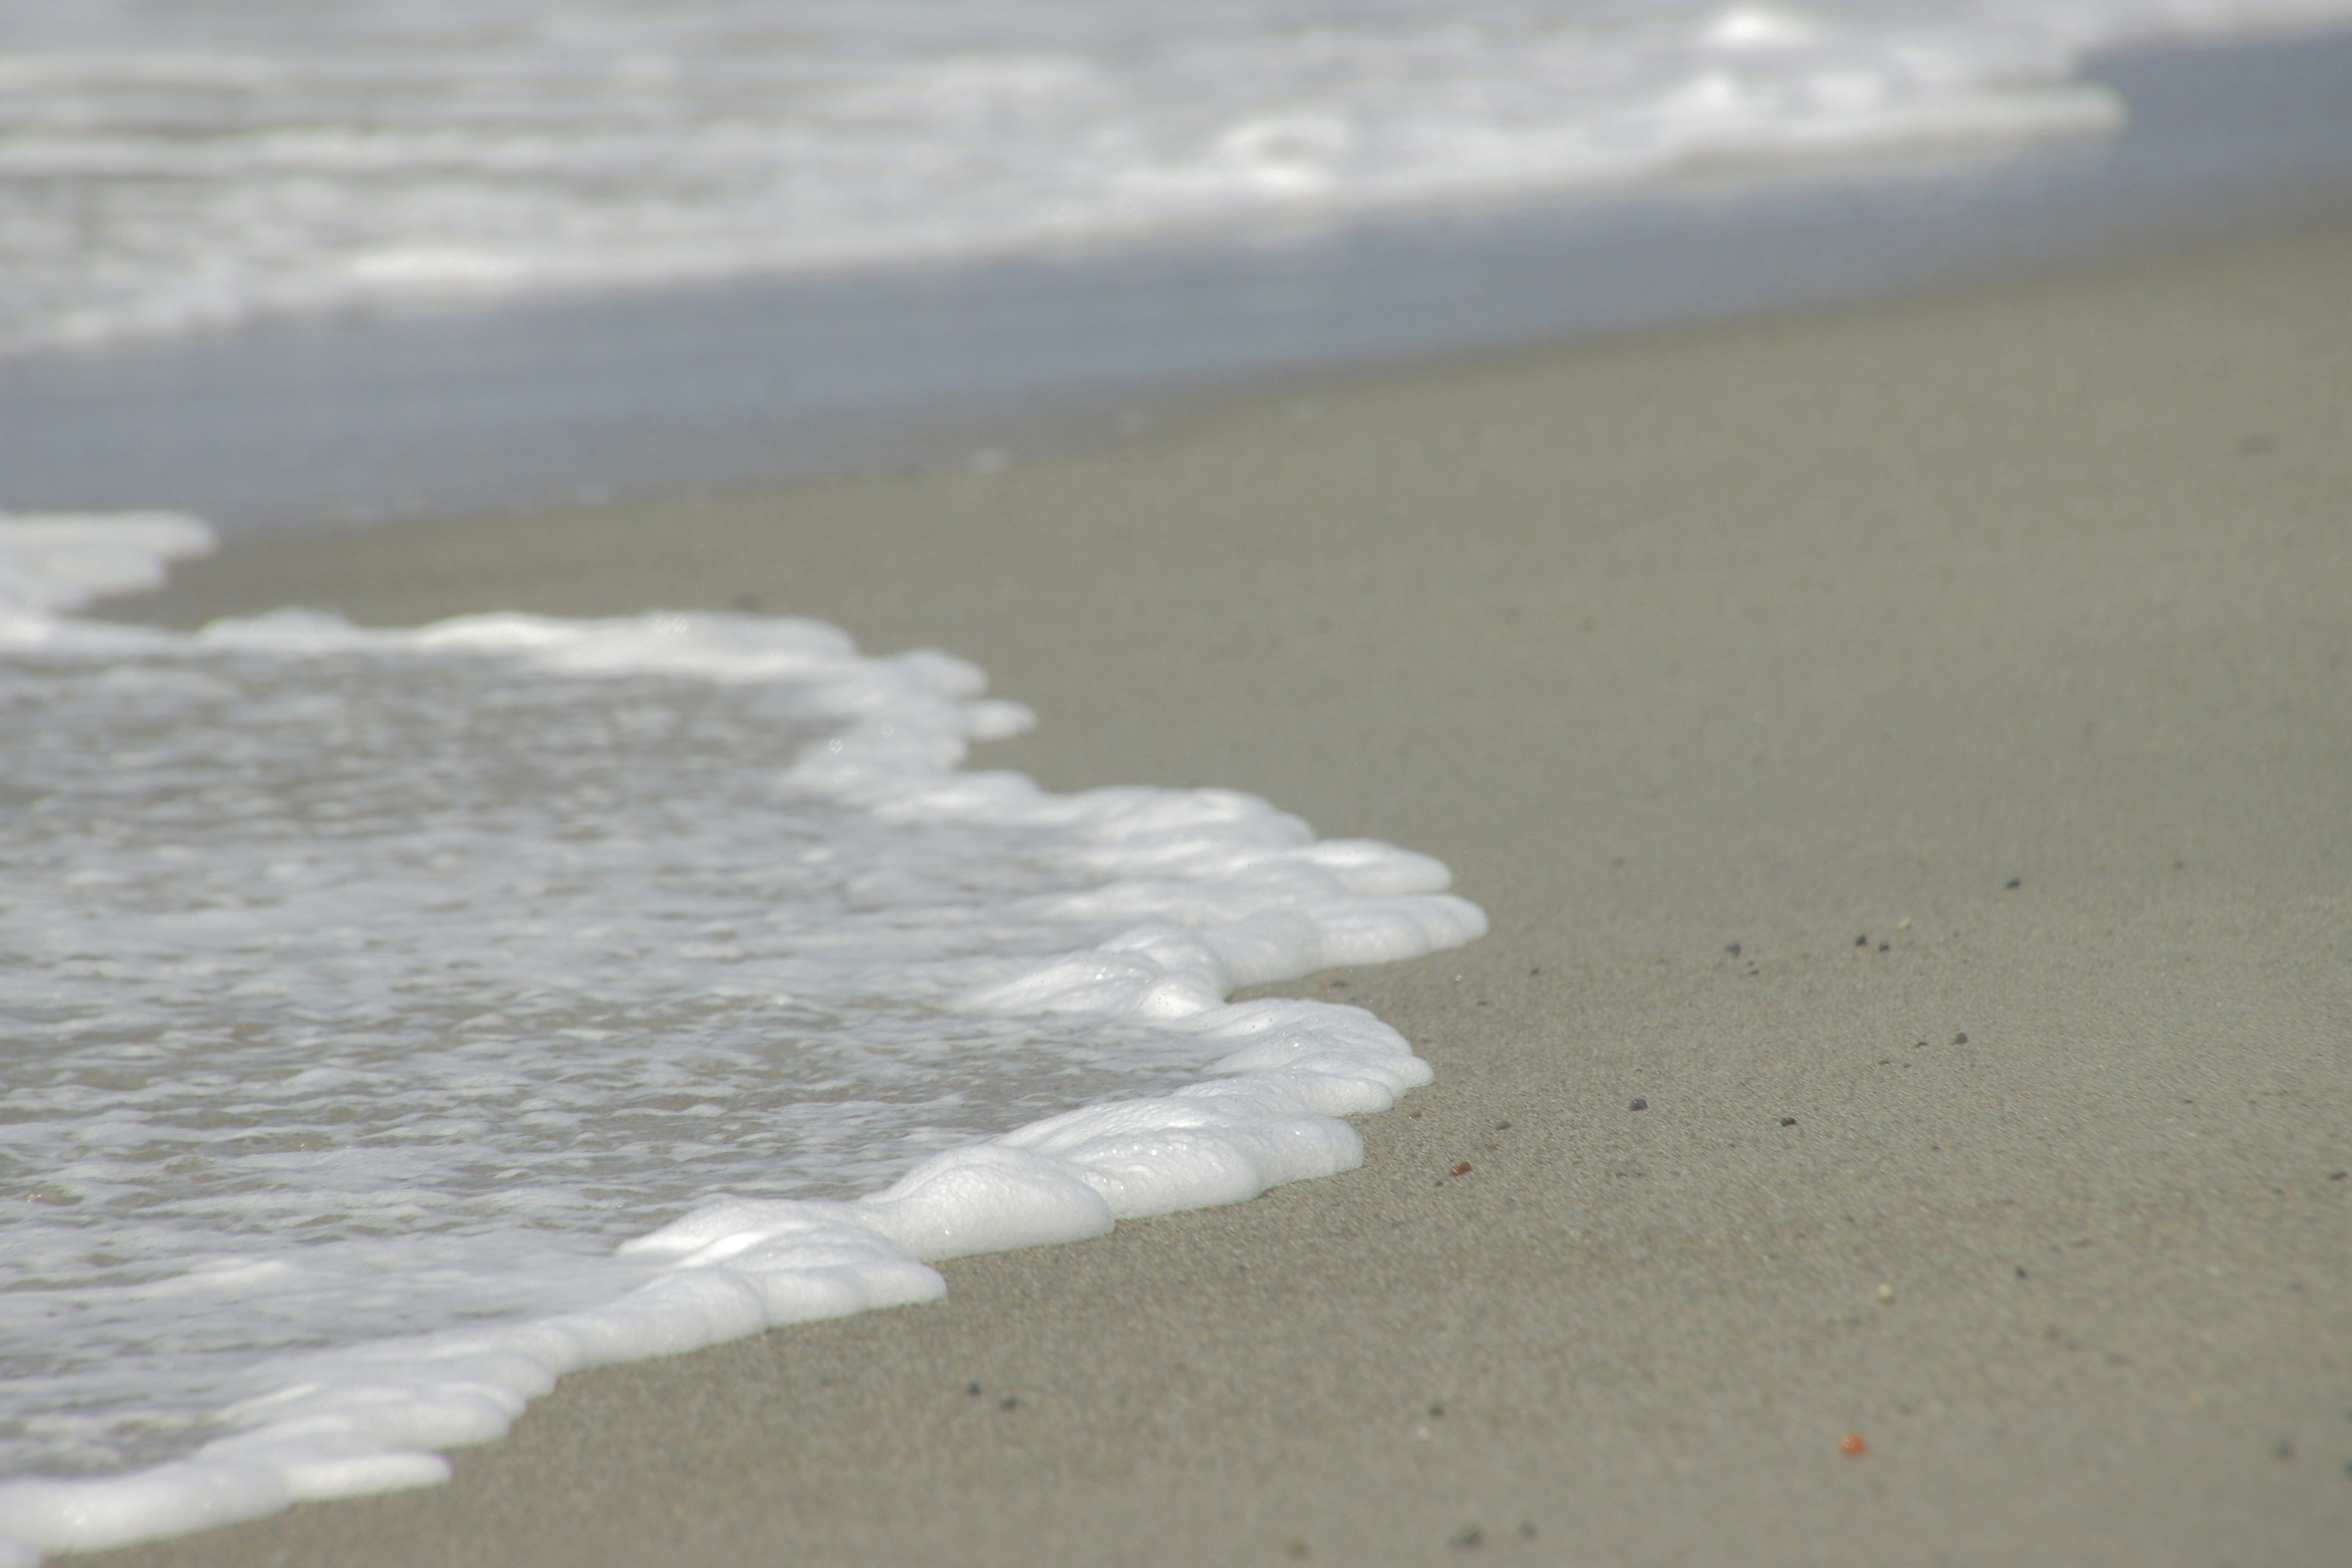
point(2005, 627)
point(335, 422)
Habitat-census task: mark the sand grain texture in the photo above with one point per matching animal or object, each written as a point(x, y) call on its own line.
point(1807, 635)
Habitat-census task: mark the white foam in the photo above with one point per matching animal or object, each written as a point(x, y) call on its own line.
point(58, 563)
point(166, 168)
point(410, 1019)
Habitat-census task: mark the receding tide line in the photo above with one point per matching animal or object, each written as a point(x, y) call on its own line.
point(1266, 902)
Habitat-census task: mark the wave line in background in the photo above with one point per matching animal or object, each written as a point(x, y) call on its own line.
point(164, 168)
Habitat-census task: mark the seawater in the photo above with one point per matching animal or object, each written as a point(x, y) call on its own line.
point(166, 165)
point(392, 1022)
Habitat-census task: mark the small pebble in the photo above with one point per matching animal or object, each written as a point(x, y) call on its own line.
point(2286, 1449)
point(1008, 1403)
point(1903, 925)
point(1788, 1121)
point(1885, 947)
point(2014, 882)
point(1959, 1039)
point(974, 1390)
point(1861, 940)
point(1639, 1105)
point(1852, 1447)
point(1732, 949)
point(1463, 1169)
point(1885, 1294)
point(1468, 1537)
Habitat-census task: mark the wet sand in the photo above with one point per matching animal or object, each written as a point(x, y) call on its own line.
point(1907, 750)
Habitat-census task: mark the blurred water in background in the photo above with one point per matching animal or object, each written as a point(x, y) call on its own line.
point(174, 163)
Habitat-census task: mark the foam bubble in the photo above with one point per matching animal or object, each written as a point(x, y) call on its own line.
point(413, 1018)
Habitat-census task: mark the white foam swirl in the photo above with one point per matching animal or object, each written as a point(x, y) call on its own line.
point(411, 1018)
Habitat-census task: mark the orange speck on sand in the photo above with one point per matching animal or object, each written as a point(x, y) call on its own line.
point(1852, 1447)
point(1463, 1169)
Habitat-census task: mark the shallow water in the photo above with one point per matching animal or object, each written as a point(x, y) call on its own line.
point(368, 988)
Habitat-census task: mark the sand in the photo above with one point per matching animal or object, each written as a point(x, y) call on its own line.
point(1909, 747)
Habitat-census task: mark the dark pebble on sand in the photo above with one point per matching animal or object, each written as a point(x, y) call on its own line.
point(1861, 940)
point(1733, 949)
point(1464, 1540)
point(974, 1390)
point(1639, 1105)
point(2014, 883)
point(1788, 1121)
point(1959, 1039)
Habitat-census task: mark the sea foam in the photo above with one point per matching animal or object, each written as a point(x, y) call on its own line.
point(169, 167)
point(401, 1020)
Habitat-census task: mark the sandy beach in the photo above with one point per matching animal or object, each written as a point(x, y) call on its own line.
point(1906, 752)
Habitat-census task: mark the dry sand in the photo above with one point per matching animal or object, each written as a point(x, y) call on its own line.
point(1982, 666)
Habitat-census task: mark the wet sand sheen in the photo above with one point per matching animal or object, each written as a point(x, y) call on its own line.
point(1979, 666)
